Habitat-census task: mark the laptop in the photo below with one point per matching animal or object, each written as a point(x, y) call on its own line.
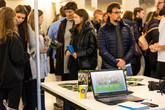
point(109, 87)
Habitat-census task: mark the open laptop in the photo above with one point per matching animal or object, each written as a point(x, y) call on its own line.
point(109, 87)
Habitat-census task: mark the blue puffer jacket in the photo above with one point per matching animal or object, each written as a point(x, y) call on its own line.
point(107, 44)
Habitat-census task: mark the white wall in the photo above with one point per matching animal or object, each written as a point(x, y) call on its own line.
point(45, 5)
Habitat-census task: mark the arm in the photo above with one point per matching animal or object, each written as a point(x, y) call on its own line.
point(16, 51)
point(32, 45)
point(44, 50)
point(52, 31)
point(92, 45)
point(156, 47)
point(106, 56)
point(136, 33)
point(131, 48)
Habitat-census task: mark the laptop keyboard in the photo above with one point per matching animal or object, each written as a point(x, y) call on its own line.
point(109, 99)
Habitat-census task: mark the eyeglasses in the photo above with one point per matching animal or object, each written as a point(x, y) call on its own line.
point(160, 3)
point(118, 12)
point(68, 11)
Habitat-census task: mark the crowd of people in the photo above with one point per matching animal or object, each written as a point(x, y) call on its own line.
point(114, 40)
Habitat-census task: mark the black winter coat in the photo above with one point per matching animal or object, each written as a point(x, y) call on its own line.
point(107, 44)
point(152, 37)
point(11, 61)
point(60, 51)
point(135, 28)
point(86, 46)
point(138, 21)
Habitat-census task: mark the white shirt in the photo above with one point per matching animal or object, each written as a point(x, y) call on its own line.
point(161, 54)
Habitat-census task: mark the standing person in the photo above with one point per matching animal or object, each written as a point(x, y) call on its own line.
point(52, 33)
point(23, 30)
point(128, 18)
point(84, 44)
point(97, 19)
point(64, 36)
point(44, 70)
point(152, 37)
point(115, 41)
point(160, 46)
point(11, 61)
point(138, 15)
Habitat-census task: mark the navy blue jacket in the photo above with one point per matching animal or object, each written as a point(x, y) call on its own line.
point(134, 29)
point(107, 44)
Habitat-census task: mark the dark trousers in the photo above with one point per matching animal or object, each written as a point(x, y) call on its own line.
point(147, 70)
point(136, 67)
point(12, 95)
point(74, 68)
point(27, 95)
point(35, 96)
point(51, 62)
point(160, 69)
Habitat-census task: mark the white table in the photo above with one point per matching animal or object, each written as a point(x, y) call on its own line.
point(90, 103)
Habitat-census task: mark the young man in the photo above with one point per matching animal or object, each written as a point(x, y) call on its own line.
point(138, 15)
point(115, 42)
point(64, 36)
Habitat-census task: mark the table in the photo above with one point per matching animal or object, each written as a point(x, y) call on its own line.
point(90, 103)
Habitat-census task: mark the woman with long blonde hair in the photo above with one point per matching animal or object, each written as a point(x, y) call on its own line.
point(44, 70)
point(11, 61)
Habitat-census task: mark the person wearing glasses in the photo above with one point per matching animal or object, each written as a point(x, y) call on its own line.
point(115, 41)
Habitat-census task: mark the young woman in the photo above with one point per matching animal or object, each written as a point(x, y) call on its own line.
point(11, 60)
point(43, 57)
point(23, 30)
point(84, 43)
point(128, 18)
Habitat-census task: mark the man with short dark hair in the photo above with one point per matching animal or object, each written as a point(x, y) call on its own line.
point(115, 41)
point(138, 15)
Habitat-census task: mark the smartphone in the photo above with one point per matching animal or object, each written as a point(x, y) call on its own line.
point(150, 104)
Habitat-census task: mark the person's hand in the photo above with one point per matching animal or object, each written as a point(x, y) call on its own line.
point(121, 63)
point(74, 55)
point(67, 53)
point(155, 47)
point(45, 49)
point(46, 38)
point(151, 47)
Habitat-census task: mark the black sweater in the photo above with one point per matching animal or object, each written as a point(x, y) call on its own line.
point(11, 61)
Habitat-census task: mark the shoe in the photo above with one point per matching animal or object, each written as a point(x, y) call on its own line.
point(56, 107)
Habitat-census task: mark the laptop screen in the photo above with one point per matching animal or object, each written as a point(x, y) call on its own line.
point(108, 81)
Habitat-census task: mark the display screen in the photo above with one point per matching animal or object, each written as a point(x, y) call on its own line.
point(108, 81)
